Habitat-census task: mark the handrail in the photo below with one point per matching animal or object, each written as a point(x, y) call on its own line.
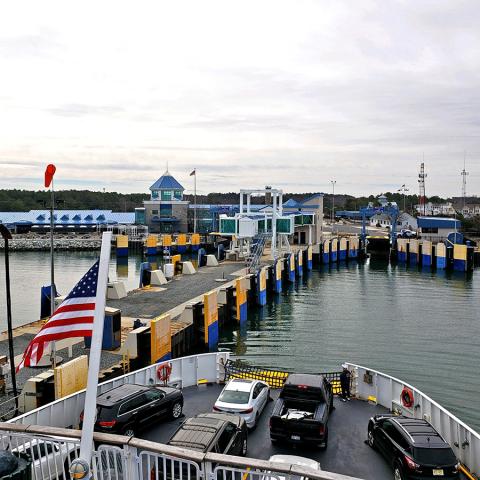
point(171, 451)
point(415, 389)
point(387, 390)
point(142, 375)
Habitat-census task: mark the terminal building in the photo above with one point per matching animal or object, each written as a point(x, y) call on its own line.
point(166, 211)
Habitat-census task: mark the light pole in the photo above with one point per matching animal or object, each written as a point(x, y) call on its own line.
point(5, 232)
point(333, 182)
point(403, 190)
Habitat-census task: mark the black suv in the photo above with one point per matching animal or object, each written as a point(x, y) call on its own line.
point(128, 408)
point(413, 447)
point(213, 432)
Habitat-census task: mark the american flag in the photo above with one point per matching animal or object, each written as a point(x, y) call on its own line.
point(73, 318)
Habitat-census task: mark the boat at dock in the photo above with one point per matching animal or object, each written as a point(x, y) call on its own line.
point(201, 378)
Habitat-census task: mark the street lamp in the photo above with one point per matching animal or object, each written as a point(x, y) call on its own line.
point(5, 232)
point(404, 190)
point(333, 182)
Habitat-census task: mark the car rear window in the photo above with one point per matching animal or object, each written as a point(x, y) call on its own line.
point(435, 456)
point(105, 413)
point(233, 396)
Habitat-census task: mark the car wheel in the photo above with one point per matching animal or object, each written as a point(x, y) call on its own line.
point(176, 410)
point(398, 472)
point(129, 431)
point(244, 447)
point(371, 439)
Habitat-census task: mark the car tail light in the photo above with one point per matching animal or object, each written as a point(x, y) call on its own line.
point(108, 424)
point(248, 410)
point(321, 430)
point(216, 409)
point(302, 387)
point(410, 463)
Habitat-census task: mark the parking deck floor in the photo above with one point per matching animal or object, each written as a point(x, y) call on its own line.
point(347, 452)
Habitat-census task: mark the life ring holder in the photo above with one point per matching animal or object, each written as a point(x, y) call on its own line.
point(164, 371)
point(406, 397)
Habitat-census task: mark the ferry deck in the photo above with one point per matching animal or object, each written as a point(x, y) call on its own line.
point(347, 453)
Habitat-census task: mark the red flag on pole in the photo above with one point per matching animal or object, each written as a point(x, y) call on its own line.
point(49, 173)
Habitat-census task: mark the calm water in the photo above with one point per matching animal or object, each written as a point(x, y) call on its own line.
point(418, 326)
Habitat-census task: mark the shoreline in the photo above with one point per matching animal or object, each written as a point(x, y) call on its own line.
point(40, 243)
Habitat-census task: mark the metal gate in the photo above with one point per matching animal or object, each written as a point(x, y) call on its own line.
point(153, 466)
point(274, 378)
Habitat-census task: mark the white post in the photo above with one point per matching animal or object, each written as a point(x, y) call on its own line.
point(274, 225)
point(195, 201)
point(241, 202)
point(248, 202)
point(95, 351)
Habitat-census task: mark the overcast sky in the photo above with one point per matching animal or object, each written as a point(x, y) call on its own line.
point(250, 93)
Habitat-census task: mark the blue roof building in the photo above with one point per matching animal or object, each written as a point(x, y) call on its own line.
point(166, 188)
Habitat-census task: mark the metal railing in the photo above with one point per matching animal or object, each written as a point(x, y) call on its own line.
point(186, 372)
point(386, 390)
point(128, 458)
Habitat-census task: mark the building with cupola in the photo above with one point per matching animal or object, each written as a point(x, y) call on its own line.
point(166, 211)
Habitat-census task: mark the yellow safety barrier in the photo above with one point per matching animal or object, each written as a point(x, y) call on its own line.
point(175, 260)
point(160, 338)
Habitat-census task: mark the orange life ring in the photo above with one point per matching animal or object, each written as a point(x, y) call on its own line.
point(163, 371)
point(407, 397)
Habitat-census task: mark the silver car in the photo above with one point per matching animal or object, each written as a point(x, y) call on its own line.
point(246, 398)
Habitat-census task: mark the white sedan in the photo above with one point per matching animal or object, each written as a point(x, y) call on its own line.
point(294, 460)
point(50, 459)
point(246, 398)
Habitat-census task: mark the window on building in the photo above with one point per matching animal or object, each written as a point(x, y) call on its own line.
point(165, 211)
point(430, 230)
point(154, 212)
point(166, 194)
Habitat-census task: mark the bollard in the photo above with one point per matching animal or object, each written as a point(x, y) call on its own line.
point(202, 258)
point(299, 263)
point(152, 245)
point(181, 243)
point(144, 274)
point(210, 312)
point(122, 245)
point(291, 267)
point(262, 287)
point(241, 300)
point(195, 242)
point(309, 252)
point(427, 256)
point(343, 247)
point(413, 255)
point(278, 275)
point(460, 263)
point(402, 250)
point(334, 250)
point(326, 252)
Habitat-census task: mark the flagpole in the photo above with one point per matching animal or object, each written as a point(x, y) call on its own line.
point(195, 202)
point(53, 354)
point(95, 352)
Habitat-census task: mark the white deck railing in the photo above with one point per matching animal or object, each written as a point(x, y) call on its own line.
point(186, 372)
point(124, 458)
point(387, 390)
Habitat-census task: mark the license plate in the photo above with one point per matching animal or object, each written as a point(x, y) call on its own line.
point(438, 472)
point(295, 437)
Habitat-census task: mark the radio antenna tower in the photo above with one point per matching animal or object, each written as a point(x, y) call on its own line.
point(421, 184)
point(464, 174)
